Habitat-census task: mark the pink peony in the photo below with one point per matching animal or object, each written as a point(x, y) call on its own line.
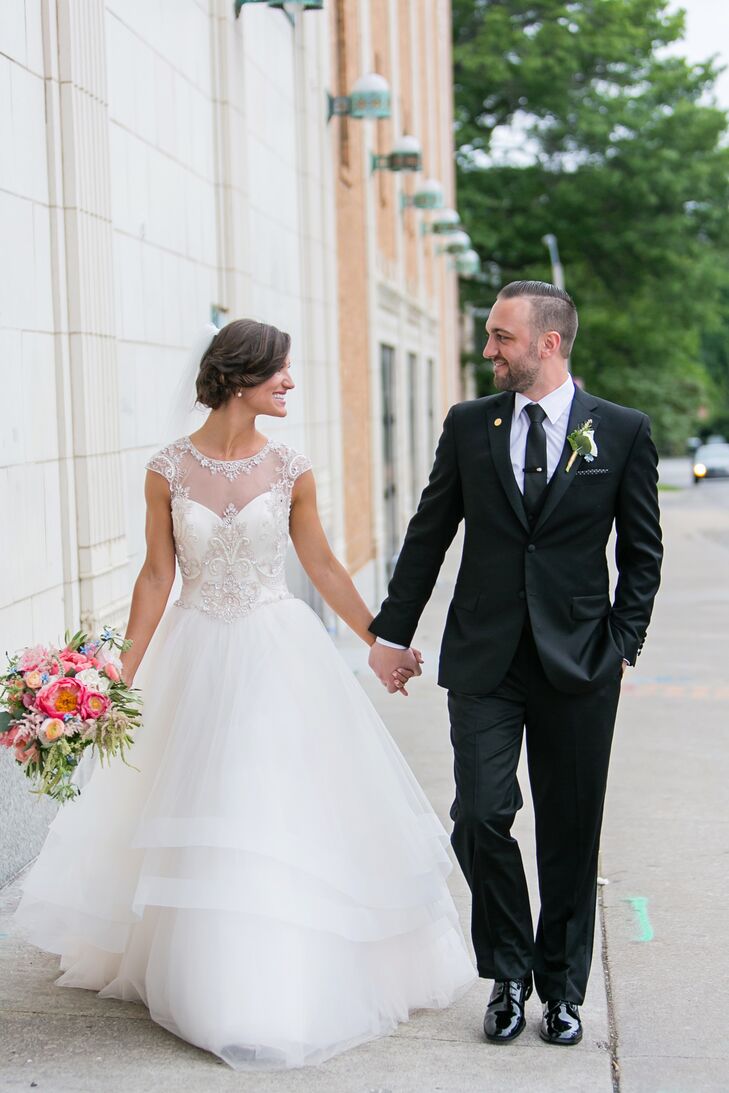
point(25, 756)
point(62, 697)
point(94, 705)
point(111, 670)
point(7, 739)
point(70, 659)
point(33, 658)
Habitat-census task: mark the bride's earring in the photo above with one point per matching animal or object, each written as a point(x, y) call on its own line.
point(239, 394)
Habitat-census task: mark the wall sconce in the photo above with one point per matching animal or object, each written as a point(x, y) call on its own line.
point(305, 5)
point(457, 242)
point(468, 264)
point(407, 155)
point(370, 98)
point(443, 223)
point(429, 195)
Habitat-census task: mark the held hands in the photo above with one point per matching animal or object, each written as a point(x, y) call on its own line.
point(394, 667)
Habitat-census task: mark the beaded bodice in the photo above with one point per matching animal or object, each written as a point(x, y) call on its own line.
point(230, 522)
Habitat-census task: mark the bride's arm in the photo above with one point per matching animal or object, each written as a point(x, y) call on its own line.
point(324, 570)
point(156, 577)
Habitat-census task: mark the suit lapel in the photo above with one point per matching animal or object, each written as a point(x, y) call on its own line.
point(580, 411)
point(501, 410)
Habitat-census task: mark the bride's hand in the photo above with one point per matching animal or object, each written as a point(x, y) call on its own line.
point(401, 675)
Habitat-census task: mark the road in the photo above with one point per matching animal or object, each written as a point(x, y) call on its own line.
point(656, 1010)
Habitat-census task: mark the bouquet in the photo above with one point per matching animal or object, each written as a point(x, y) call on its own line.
point(55, 703)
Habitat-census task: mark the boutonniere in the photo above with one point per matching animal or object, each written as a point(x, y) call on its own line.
point(582, 442)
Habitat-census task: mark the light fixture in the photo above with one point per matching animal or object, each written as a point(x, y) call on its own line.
point(305, 5)
point(468, 264)
point(444, 222)
point(370, 98)
point(457, 242)
point(428, 195)
point(407, 155)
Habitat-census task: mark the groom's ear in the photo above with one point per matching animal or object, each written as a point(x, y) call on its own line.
point(549, 343)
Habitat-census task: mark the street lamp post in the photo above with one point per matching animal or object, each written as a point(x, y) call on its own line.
point(550, 242)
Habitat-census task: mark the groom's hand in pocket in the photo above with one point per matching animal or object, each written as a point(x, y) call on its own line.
point(394, 667)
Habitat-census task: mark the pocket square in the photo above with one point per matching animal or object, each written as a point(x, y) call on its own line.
point(594, 470)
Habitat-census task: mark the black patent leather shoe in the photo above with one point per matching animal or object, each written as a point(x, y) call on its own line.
point(504, 1018)
point(561, 1023)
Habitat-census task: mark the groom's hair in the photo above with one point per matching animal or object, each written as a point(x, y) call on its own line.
point(552, 309)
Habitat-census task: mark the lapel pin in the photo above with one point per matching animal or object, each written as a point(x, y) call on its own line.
point(497, 421)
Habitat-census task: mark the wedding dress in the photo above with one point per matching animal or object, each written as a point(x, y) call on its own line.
point(270, 880)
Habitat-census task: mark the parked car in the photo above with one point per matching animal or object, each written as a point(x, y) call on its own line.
point(711, 461)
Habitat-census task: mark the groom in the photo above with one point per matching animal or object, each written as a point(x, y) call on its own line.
point(532, 641)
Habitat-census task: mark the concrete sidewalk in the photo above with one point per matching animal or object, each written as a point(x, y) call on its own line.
point(665, 841)
point(70, 1041)
point(663, 929)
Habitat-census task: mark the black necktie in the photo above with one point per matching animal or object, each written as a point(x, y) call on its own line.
point(535, 461)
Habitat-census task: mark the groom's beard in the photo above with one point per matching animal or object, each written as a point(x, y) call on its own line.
point(518, 375)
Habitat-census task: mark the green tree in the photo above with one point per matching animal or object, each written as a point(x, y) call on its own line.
point(623, 156)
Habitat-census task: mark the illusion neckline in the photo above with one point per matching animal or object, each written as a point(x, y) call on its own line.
point(209, 460)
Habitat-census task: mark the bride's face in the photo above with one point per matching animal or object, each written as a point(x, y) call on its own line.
point(269, 397)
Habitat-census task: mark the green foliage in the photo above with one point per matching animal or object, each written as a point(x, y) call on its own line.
point(626, 162)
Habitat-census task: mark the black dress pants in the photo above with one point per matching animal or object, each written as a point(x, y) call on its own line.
point(568, 749)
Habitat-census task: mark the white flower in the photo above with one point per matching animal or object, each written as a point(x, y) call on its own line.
point(582, 442)
point(109, 656)
point(93, 680)
point(590, 435)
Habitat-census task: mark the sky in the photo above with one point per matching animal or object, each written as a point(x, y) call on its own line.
point(707, 33)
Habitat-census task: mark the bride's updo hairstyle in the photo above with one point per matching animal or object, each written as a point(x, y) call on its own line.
point(243, 354)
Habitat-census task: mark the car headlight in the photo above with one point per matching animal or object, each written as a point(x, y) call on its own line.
point(699, 470)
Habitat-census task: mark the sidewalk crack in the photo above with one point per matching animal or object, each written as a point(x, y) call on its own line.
point(612, 1022)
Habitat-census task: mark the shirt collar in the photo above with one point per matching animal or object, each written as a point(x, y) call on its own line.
point(554, 404)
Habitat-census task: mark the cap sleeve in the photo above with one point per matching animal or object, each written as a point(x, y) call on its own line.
point(296, 464)
point(166, 462)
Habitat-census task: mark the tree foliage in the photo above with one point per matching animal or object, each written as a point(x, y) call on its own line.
point(623, 156)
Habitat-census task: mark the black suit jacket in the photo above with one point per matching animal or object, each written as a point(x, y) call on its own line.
point(557, 571)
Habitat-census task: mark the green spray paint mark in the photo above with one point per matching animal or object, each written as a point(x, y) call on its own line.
point(640, 906)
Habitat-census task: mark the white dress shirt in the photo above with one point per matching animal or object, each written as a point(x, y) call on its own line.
point(556, 406)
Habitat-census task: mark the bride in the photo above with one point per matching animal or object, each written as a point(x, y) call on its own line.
point(269, 879)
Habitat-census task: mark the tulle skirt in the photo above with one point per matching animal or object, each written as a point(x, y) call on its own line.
point(270, 881)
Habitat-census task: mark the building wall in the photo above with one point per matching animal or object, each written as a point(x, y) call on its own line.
point(352, 289)
point(411, 289)
point(34, 565)
point(162, 160)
